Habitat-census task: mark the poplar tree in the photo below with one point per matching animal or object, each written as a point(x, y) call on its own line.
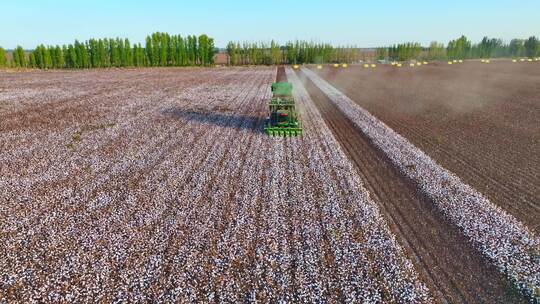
point(73, 61)
point(381, 53)
point(192, 49)
point(232, 52)
point(114, 53)
point(173, 50)
point(170, 50)
point(66, 56)
point(19, 57)
point(459, 48)
point(59, 57)
point(156, 49)
point(121, 52)
point(149, 50)
point(532, 47)
point(85, 55)
point(79, 50)
point(52, 57)
point(104, 60)
point(54, 64)
point(161, 49)
point(181, 51)
point(95, 60)
point(32, 61)
point(212, 50)
point(275, 53)
point(39, 57)
point(203, 50)
point(137, 55)
point(487, 48)
point(128, 55)
point(187, 51)
point(16, 61)
point(3, 59)
point(47, 58)
point(515, 48)
point(436, 51)
point(291, 53)
point(143, 58)
point(163, 45)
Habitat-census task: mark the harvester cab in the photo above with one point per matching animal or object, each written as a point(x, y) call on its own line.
point(283, 119)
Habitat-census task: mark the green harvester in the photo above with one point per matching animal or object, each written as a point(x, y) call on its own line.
point(283, 119)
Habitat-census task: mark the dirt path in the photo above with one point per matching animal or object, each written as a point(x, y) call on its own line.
point(448, 264)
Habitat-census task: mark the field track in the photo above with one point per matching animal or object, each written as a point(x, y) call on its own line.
point(446, 261)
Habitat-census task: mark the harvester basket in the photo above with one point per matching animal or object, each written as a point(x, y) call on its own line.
point(283, 119)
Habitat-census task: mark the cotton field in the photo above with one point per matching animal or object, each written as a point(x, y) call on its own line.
point(115, 191)
point(160, 185)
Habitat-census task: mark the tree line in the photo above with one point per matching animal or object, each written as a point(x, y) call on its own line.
point(462, 48)
point(297, 52)
point(400, 52)
point(160, 49)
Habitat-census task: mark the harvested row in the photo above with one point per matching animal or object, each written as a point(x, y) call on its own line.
point(171, 192)
point(499, 236)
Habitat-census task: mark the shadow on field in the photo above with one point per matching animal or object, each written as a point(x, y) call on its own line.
point(220, 118)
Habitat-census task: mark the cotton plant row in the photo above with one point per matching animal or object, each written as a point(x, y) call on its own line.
point(509, 244)
point(178, 196)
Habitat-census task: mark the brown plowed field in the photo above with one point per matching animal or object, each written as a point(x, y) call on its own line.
point(480, 121)
point(454, 271)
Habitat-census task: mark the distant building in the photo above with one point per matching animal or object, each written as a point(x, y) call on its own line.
point(221, 59)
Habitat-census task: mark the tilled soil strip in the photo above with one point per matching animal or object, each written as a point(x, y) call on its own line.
point(508, 244)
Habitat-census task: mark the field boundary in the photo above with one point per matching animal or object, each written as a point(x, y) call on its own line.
point(507, 243)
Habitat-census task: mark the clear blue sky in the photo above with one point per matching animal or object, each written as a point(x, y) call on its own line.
point(362, 23)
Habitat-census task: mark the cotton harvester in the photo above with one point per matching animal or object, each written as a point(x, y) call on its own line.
point(282, 119)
